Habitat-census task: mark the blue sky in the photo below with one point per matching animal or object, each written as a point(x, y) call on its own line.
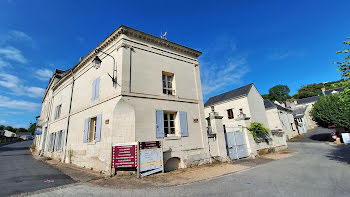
point(265, 42)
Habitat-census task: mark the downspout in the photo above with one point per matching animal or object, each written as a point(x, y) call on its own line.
point(68, 118)
point(131, 49)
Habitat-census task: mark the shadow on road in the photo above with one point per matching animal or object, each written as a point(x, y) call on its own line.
point(324, 137)
point(341, 154)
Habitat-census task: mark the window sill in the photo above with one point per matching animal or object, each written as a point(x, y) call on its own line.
point(172, 138)
point(91, 143)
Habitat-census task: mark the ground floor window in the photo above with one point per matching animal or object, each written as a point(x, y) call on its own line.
point(92, 129)
point(169, 123)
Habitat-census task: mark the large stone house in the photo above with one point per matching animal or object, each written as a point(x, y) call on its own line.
point(145, 88)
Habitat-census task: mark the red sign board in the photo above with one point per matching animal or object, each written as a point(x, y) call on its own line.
point(124, 156)
point(150, 145)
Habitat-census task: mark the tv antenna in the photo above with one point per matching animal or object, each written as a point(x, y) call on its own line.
point(163, 36)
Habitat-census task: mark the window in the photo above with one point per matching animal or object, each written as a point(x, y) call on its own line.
point(52, 140)
point(167, 79)
point(230, 114)
point(241, 111)
point(169, 124)
point(92, 129)
point(58, 111)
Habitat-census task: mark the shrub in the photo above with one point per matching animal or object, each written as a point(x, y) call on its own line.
point(331, 109)
point(258, 129)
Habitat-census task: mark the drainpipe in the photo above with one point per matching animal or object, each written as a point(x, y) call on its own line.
point(131, 49)
point(68, 118)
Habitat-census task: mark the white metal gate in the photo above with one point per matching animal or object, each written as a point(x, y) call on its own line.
point(236, 144)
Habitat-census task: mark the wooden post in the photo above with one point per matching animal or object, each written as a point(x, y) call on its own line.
point(138, 160)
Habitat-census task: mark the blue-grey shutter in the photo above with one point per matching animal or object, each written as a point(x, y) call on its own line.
point(62, 139)
point(56, 141)
point(93, 90)
point(98, 128)
point(86, 130)
point(48, 143)
point(159, 124)
point(183, 124)
point(97, 88)
point(55, 115)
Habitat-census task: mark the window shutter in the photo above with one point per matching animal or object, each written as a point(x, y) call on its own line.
point(86, 130)
point(93, 90)
point(55, 115)
point(97, 88)
point(56, 141)
point(98, 128)
point(62, 139)
point(183, 124)
point(159, 124)
point(48, 143)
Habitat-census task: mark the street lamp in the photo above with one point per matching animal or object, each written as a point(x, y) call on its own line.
point(96, 63)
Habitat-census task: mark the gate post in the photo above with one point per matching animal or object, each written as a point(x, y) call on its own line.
point(217, 128)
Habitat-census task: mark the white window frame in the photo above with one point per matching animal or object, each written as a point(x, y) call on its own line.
point(92, 129)
point(170, 131)
point(58, 111)
point(169, 83)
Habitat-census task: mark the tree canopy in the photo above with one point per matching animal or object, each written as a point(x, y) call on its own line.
point(278, 93)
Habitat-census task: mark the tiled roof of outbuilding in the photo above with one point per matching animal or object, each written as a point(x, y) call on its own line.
point(268, 104)
point(244, 90)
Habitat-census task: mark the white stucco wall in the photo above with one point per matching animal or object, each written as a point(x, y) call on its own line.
point(129, 115)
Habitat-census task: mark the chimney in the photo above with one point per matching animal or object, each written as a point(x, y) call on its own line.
point(323, 91)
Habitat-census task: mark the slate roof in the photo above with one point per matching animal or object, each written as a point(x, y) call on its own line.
point(335, 89)
point(268, 104)
point(244, 90)
point(307, 100)
point(299, 112)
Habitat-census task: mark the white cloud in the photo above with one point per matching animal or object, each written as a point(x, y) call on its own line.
point(9, 103)
point(17, 88)
point(19, 36)
point(222, 66)
point(216, 77)
point(280, 53)
point(43, 74)
point(13, 54)
point(4, 63)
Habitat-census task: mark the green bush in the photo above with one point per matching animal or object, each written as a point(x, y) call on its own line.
point(258, 129)
point(331, 109)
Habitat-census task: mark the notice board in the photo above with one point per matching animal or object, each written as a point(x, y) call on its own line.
point(124, 155)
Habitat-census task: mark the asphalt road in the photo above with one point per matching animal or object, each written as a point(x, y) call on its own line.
point(20, 172)
point(317, 170)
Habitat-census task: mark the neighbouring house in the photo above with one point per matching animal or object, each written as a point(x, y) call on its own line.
point(302, 107)
point(155, 94)
point(24, 135)
point(280, 119)
point(229, 114)
point(240, 103)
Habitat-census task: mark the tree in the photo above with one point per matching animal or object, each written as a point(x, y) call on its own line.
point(279, 93)
point(309, 91)
point(266, 96)
point(9, 128)
point(32, 128)
point(329, 110)
point(344, 68)
point(21, 130)
point(2, 127)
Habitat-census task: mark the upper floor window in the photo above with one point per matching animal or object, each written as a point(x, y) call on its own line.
point(168, 83)
point(230, 114)
point(241, 111)
point(58, 111)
